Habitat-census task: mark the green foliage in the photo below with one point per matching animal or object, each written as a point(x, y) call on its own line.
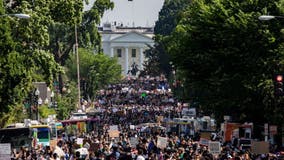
point(6, 44)
point(86, 60)
point(62, 41)
point(16, 115)
point(45, 111)
point(62, 31)
point(153, 61)
point(96, 70)
point(67, 11)
point(25, 44)
point(90, 37)
point(228, 56)
point(105, 71)
point(67, 15)
point(67, 101)
point(168, 18)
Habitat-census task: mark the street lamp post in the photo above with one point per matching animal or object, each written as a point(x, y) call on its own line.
point(39, 102)
point(51, 99)
point(37, 92)
point(18, 15)
point(46, 101)
point(78, 68)
point(268, 17)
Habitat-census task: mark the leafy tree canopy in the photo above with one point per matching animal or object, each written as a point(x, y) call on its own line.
point(169, 15)
point(24, 44)
point(96, 71)
point(62, 31)
point(229, 56)
point(22, 54)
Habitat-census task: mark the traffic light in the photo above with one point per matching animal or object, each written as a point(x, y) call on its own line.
point(278, 84)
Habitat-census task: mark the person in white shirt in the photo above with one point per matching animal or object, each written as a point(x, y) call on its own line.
point(140, 155)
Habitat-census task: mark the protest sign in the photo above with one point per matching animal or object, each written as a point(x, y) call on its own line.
point(132, 127)
point(260, 147)
point(204, 141)
point(79, 141)
point(205, 135)
point(133, 141)
point(162, 142)
point(113, 128)
point(113, 133)
point(273, 129)
point(160, 119)
point(53, 143)
point(5, 150)
point(214, 147)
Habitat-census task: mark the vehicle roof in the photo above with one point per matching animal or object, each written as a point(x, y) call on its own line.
point(40, 126)
point(17, 128)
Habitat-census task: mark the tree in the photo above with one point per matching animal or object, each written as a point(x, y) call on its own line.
point(22, 54)
point(168, 19)
point(229, 56)
point(96, 71)
point(66, 102)
point(91, 38)
point(151, 65)
point(169, 16)
point(105, 71)
point(158, 59)
point(62, 31)
point(26, 44)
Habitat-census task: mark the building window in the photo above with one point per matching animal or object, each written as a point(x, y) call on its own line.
point(118, 52)
point(133, 53)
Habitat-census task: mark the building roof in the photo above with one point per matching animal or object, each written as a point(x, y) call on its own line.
point(132, 36)
point(108, 28)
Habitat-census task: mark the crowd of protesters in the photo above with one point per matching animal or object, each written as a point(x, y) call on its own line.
point(135, 102)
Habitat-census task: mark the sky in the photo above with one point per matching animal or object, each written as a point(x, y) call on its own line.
point(143, 13)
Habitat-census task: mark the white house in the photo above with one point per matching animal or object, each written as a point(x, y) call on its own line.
point(127, 44)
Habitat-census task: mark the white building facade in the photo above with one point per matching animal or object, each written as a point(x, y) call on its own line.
point(127, 44)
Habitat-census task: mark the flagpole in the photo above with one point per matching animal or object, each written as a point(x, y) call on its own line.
point(132, 10)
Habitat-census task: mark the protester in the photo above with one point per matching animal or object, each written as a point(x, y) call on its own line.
point(132, 108)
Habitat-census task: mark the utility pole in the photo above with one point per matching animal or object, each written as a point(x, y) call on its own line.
point(78, 68)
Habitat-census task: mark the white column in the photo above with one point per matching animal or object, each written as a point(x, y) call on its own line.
point(111, 51)
point(126, 60)
point(141, 58)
